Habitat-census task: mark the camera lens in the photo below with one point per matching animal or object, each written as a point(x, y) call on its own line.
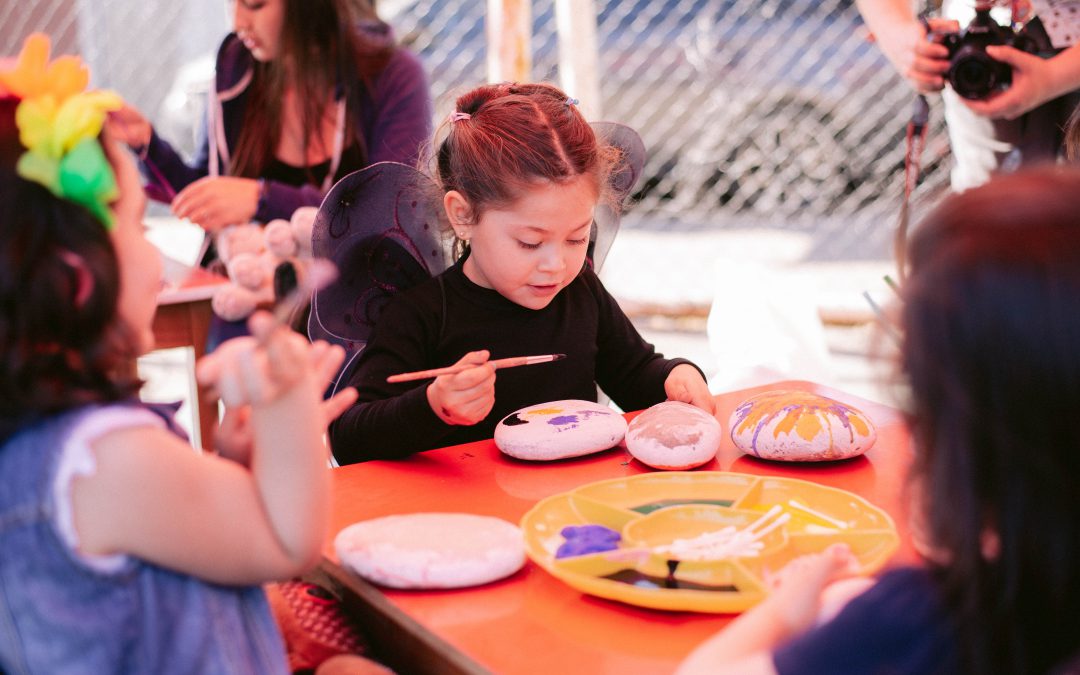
point(973, 77)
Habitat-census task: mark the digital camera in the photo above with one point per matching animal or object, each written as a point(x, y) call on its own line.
point(972, 73)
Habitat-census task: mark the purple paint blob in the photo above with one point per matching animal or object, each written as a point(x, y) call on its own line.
point(563, 420)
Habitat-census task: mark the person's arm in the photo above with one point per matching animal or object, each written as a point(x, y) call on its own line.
point(403, 111)
point(903, 40)
point(746, 645)
point(152, 497)
point(1035, 81)
point(393, 420)
point(165, 171)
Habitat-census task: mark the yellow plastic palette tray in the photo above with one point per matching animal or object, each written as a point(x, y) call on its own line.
point(654, 509)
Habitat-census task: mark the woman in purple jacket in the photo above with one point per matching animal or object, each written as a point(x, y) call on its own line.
point(306, 92)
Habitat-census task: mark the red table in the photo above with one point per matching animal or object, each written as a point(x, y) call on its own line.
point(531, 622)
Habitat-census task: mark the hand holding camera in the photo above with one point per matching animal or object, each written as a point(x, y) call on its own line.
point(973, 73)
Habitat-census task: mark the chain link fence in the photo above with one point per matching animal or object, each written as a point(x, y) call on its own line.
point(756, 113)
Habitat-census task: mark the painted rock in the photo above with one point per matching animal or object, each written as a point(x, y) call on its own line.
point(796, 426)
point(673, 435)
point(559, 429)
point(431, 550)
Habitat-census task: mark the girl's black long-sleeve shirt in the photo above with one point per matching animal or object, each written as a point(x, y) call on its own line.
point(437, 322)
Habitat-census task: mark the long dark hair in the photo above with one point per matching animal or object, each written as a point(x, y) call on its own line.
point(320, 39)
point(54, 352)
point(992, 353)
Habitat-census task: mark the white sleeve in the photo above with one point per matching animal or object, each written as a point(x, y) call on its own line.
point(77, 459)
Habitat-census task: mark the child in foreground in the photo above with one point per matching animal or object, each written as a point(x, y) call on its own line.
point(123, 549)
point(991, 322)
point(520, 172)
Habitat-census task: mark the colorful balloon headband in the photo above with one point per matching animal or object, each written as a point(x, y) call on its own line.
point(59, 123)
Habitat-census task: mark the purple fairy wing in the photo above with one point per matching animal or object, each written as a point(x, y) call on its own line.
point(623, 178)
point(377, 226)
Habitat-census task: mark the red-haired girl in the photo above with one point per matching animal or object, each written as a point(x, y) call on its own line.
point(520, 172)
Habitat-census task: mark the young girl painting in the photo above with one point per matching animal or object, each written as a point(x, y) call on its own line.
point(520, 173)
point(124, 550)
point(991, 324)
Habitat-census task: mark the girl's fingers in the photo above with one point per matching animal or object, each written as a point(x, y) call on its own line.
point(338, 403)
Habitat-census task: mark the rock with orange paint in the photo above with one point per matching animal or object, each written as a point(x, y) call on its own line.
point(559, 429)
point(797, 426)
point(673, 435)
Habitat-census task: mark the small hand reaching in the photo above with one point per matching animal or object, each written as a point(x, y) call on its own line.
point(467, 397)
point(796, 590)
point(684, 383)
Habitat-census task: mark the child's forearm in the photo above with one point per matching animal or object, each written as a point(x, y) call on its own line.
point(389, 428)
point(748, 642)
point(289, 465)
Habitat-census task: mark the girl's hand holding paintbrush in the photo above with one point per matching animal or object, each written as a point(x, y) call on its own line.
point(465, 397)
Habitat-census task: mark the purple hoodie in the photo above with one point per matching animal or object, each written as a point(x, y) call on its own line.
point(394, 121)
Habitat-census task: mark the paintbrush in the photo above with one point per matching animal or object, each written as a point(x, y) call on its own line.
point(511, 362)
point(319, 274)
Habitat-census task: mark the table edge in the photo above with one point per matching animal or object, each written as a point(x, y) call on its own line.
point(397, 639)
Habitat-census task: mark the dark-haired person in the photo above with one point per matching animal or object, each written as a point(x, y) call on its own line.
point(991, 324)
point(1021, 125)
point(122, 550)
point(305, 92)
point(520, 172)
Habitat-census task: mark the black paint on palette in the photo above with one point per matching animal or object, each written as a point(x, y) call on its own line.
point(664, 503)
point(514, 420)
point(642, 580)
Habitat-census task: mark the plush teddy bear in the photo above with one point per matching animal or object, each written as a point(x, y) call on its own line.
point(253, 256)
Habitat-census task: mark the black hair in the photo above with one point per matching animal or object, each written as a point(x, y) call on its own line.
point(991, 319)
point(55, 352)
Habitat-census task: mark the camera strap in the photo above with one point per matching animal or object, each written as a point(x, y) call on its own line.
point(915, 140)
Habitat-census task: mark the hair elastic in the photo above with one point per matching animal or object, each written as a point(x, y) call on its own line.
point(458, 116)
point(570, 100)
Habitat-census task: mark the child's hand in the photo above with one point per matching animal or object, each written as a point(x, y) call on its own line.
point(261, 368)
point(466, 397)
point(797, 588)
point(684, 383)
point(234, 437)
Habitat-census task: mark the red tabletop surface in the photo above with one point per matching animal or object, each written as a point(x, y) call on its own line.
point(531, 622)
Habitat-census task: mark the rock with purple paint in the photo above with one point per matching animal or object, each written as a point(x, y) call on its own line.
point(674, 436)
point(797, 426)
point(559, 429)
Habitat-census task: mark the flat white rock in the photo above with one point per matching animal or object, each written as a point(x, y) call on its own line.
point(431, 550)
point(673, 435)
point(559, 429)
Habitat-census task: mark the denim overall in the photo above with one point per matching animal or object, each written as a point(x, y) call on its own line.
point(58, 615)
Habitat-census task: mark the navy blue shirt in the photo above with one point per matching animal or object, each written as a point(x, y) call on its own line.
point(896, 626)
